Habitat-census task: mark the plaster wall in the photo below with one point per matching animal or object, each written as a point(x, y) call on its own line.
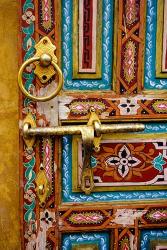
point(9, 133)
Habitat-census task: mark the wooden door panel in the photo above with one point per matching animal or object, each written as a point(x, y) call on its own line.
point(72, 38)
point(107, 52)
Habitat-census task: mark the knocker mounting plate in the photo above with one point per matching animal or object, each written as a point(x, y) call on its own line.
point(44, 46)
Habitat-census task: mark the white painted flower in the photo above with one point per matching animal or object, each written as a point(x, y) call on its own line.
point(47, 217)
point(29, 195)
point(124, 161)
point(128, 106)
point(28, 17)
point(30, 68)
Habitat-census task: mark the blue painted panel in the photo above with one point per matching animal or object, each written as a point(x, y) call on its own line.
point(150, 81)
point(107, 44)
point(148, 235)
point(69, 196)
point(101, 239)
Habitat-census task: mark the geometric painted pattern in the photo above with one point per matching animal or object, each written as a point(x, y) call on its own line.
point(106, 217)
point(86, 218)
point(143, 107)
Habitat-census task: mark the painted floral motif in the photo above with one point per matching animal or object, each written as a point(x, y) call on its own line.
point(28, 17)
point(157, 215)
point(29, 160)
point(46, 14)
point(47, 157)
point(47, 218)
point(131, 10)
point(82, 107)
point(29, 195)
point(128, 164)
point(125, 244)
point(30, 67)
point(128, 106)
point(29, 203)
point(160, 106)
point(28, 155)
point(101, 170)
point(158, 162)
point(137, 105)
point(93, 162)
point(46, 6)
point(129, 61)
point(124, 161)
point(130, 35)
point(125, 247)
point(86, 218)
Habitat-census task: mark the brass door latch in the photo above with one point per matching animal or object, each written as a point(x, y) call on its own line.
point(46, 66)
point(91, 136)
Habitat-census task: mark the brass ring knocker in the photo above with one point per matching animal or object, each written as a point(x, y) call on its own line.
point(45, 60)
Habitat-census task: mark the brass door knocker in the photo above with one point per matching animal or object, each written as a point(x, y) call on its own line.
point(44, 59)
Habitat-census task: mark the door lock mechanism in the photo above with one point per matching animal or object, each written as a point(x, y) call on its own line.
point(91, 136)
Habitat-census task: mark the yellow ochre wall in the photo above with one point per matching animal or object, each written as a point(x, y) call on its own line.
point(9, 140)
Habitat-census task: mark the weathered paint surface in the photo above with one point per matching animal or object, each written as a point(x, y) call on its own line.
point(48, 111)
point(40, 242)
point(127, 217)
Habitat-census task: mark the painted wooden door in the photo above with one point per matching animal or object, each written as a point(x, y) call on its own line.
point(113, 58)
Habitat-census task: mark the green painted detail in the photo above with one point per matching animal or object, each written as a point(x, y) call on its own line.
point(30, 177)
point(28, 51)
point(28, 4)
point(93, 162)
point(29, 42)
point(29, 214)
point(158, 162)
point(29, 174)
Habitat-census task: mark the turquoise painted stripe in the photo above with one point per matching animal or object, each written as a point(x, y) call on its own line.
point(100, 239)
point(150, 80)
point(148, 235)
point(155, 128)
